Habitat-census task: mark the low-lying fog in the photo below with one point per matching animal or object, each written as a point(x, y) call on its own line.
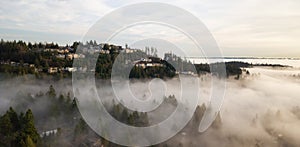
point(260, 109)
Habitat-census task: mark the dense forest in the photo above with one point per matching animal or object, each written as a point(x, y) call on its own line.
point(49, 59)
point(18, 130)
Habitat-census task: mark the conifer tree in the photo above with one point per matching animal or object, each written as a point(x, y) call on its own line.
point(29, 127)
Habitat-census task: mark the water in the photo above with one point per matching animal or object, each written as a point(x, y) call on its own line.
point(282, 61)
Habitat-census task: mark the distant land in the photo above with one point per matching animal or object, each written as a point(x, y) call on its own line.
point(42, 59)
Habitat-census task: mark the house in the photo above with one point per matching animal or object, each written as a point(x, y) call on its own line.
point(70, 56)
point(104, 51)
point(51, 50)
point(75, 56)
point(141, 64)
point(128, 50)
point(149, 62)
point(60, 56)
point(71, 69)
point(188, 73)
point(52, 70)
point(48, 133)
point(63, 51)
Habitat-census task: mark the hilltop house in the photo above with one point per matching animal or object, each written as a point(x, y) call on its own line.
point(149, 62)
point(52, 70)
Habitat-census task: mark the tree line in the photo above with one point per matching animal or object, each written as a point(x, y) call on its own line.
point(36, 54)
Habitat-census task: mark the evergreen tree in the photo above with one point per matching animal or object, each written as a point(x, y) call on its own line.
point(7, 130)
point(80, 129)
point(51, 91)
point(68, 99)
point(17, 130)
point(29, 142)
point(13, 119)
point(29, 127)
point(61, 99)
point(124, 116)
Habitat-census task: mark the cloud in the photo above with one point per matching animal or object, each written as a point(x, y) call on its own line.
point(240, 27)
point(51, 16)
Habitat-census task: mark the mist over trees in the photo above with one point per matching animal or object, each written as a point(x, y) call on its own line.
point(48, 115)
point(263, 125)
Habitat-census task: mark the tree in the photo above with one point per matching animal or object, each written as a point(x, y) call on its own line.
point(61, 99)
point(51, 92)
point(18, 130)
point(152, 51)
point(75, 45)
point(29, 127)
point(37, 62)
point(14, 119)
point(106, 47)
point(81, 128)
point(29, 142)
point(116, 111)
point(247, 72)
point(6, 127)
point(218, 121)
point(74, 104)
point(30, 45)
point(124, 116)
point(68, 99)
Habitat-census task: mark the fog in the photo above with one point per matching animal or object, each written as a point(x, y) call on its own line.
point(260, 109)
point(12, 88)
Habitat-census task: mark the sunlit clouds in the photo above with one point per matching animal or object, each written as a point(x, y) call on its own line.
point(241, 28)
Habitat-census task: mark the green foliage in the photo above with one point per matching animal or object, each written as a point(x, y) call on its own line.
point(232, 68)
point(51, 93)
point(80, 128)
point(133, 118)
point(36, 54)
point(18, 130)
point(6, 125)
point(29, 142)
point(152, 72)
point(29, 127)
point(42, 57)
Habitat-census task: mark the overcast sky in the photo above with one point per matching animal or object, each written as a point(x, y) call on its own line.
point(241, 27)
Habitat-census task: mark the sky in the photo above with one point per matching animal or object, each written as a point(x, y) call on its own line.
point(258, 28)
